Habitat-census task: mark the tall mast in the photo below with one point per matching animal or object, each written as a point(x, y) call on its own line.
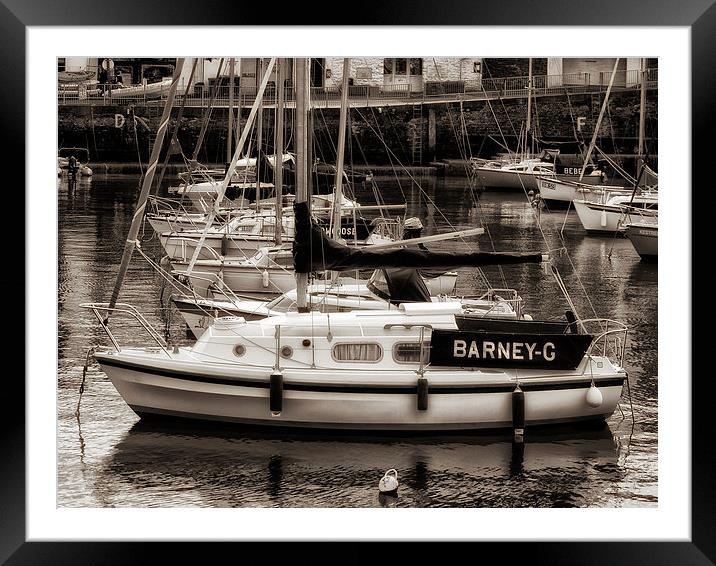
point(259, 140)
point(302, 165)
point(146, 187)
point(205, 124)
point(232, 166)
point(599, 120)
point(528, 129)
point(230, 132)
point(278, 145)
point(642, 110)
point(338, 195)
point(237, 101)
point(180, 114)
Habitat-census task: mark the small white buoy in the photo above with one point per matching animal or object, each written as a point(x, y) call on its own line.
point(389, 482)
point(594, 396)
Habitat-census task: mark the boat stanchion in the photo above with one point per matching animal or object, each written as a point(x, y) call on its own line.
point(276, 393)
point(518, 413)
point(422, 394)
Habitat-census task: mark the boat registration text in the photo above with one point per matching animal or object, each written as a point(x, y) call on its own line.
point(466, 348)
point(503, 350)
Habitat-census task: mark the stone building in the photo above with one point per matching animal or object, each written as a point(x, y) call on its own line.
point(416, 74)
point(384, 73)
point(594, 71)
point(401, 73)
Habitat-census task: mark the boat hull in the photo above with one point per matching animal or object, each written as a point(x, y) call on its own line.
point(164, 223)
point(265, 283)
point(311, 400)
point(248, 281)
point(555, 191)
point(645, 239)
point(497, 178)
point(506, 179)
point(179, 246)
point(599, 218)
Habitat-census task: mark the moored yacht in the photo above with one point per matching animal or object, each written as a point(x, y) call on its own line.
point(419, 367)
point(612, 213)
point(524, 174)
point(556, 190)
point(266, 274)
point(344, 295)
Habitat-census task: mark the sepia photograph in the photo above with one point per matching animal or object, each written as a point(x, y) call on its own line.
point(390, 277)
point(358, 282)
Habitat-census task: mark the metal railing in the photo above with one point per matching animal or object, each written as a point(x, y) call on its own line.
point(516, 302)
point(125, 309)
point(368, 95)
point(608, 340)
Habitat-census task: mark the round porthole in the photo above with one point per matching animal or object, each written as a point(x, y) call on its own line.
point(239, 350)
point(306, 342)
point(286, 351)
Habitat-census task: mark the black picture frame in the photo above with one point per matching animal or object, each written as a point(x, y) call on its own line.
point(699, 15)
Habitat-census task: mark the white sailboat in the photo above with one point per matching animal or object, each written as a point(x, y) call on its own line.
point(241, 237)
point(612, 213)
point(422, 366)
point(553, 189)
point(251, 230)
point(262, 276)
point(339, 296)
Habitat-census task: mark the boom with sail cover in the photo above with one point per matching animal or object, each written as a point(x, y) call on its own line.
point(314, 251)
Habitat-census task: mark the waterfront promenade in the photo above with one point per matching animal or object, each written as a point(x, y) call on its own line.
point(364, 96)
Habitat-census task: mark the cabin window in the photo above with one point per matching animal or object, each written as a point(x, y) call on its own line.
point(416, 67)
point(387, 66)
point(357, 352)
point(409, 352)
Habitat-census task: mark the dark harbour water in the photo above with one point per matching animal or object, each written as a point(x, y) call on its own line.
point(110, 459)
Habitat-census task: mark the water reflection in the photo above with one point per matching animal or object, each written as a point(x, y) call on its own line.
point(230, 466)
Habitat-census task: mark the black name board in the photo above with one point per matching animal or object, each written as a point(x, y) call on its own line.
point(360, 230)
point(455, 348)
